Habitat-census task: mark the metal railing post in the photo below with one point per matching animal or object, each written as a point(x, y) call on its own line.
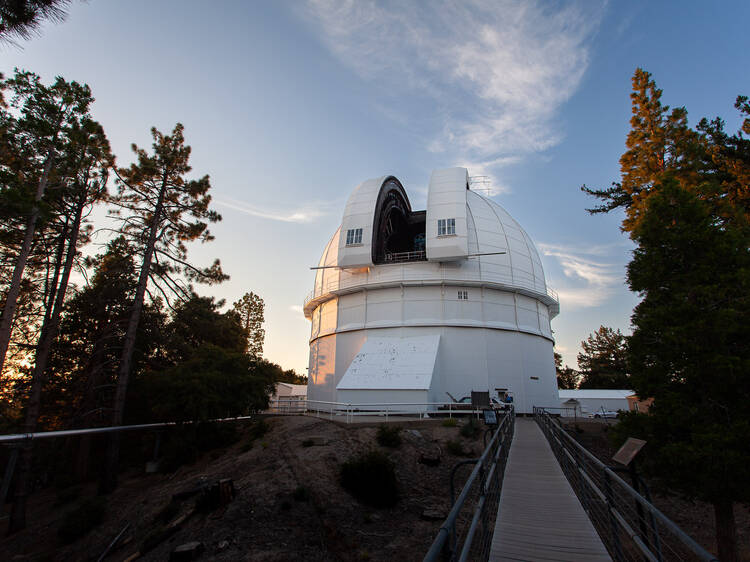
point(613, 530)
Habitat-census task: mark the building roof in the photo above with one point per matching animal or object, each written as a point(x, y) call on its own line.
point(296, 389)
point(604, 393)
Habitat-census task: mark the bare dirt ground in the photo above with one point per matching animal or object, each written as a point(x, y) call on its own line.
point(696, 518)
point(269, 519)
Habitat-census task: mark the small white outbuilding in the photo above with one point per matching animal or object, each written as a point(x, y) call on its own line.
point(582, 402)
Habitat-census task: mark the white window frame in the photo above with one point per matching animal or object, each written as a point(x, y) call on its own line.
point(447, 227)
point(354, 237)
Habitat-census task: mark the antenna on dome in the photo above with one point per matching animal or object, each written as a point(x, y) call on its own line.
point(481, 183)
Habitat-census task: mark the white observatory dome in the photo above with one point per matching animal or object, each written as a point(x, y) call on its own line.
point(422, 306)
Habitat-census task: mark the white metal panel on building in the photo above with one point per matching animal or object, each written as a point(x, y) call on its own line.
point(393, 364)
point(446, 201)
point(358, 214)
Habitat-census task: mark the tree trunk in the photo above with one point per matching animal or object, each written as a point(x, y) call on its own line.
point(726, 531)
point(9, 309)
point(93, 377)
point(109, 477)
point(47, 336)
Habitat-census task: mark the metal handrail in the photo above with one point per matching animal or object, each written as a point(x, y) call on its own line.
point(399, 257)
point(14, 437)
point(488, 473)
point(387, 409)
point(594, 482)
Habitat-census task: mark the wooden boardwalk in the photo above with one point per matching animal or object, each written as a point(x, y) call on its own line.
point(539, 516)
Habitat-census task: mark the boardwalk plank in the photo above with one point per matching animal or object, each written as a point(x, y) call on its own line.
point(539, 516)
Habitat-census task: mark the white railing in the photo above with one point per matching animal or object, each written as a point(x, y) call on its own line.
point(347, 411)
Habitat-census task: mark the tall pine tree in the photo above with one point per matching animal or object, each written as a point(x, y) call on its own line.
point(160, 210)
point(685, 193)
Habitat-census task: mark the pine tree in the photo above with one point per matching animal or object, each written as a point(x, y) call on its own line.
point(160, 210)
point(686, 196)
point(603, 361)
point(659, 142)
point(689, 351)
point(81, 175)
point(250, 308)
point(37, 136)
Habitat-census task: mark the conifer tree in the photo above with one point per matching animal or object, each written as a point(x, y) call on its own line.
point(689, 351)
point(81, 175)
point(686, 195)
point(603, 361)
point(36, 138)
point(250, 308)
point(160, 211)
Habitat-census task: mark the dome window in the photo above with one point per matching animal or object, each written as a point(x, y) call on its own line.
point(463, 295)
point(446, 227)
point(354, 236)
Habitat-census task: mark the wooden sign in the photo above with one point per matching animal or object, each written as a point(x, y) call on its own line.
point(628, 451)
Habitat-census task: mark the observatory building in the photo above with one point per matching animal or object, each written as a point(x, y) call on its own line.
point(422, 306)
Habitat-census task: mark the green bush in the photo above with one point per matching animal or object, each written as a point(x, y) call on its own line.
point(450, 422)
point(389, 436)
point(81, 520)
point(470, 429)
point(371, 478)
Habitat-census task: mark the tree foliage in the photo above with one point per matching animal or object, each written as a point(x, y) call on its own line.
point(603, 361)
point(567, 377)
point(22, 18)
point(250, 308)
point(686, 194)
point(160, 210)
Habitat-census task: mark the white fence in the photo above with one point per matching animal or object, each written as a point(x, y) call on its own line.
point(347, 412)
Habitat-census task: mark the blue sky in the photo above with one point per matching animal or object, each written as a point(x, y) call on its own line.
point(289, 105)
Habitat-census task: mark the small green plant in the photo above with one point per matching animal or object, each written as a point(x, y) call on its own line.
point(301, 494)
point(455, 448)
point(449, 422)
point(470, 429)
point(371, 478)
point(264, 444)
point(389, 436)
point(88, 514)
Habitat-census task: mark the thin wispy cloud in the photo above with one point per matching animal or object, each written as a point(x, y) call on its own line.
point(497, 71)
point(590, 276)
point(306, 214)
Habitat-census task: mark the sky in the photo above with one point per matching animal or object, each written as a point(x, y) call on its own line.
point(288, 106)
